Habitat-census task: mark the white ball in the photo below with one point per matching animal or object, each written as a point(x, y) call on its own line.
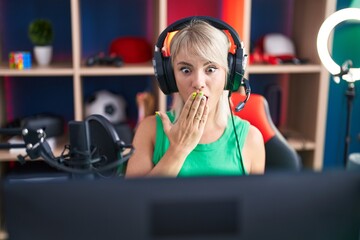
point(108, 104)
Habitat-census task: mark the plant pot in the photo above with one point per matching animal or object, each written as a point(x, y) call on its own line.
point(43, 55)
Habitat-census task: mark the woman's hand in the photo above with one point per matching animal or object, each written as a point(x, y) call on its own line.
point(186, 133)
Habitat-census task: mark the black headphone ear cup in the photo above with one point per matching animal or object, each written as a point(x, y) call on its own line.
point(236, 71)
point(230, 77)
point(160, 72)
point(170, 78)
point(239, 68)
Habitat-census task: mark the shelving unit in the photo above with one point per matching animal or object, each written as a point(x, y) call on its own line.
point(303, 31)
point(305, 86)
point(302, 79)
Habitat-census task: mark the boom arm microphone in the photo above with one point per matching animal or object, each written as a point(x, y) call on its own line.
point(94, 147)
point(246, 85)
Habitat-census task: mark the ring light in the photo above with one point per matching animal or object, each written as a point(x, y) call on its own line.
point(351, 74)
point(346, 72)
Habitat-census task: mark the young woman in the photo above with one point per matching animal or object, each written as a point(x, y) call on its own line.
point(197, 137)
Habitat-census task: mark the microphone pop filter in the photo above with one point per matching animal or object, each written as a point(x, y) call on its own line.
point(94, 143)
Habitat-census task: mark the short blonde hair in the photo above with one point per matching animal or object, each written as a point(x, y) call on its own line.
point(209, 43)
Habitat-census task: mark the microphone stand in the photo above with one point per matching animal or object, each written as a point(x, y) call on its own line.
point(33, 142)
point(350, 95)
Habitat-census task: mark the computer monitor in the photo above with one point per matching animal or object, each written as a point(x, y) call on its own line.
point(272, 206)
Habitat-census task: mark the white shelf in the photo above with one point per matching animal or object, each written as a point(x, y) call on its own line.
point(301, 144)
point(278, 69)
point(127, 69)
point(55, 69)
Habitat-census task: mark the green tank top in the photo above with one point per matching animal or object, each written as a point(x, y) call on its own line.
point(217, 158)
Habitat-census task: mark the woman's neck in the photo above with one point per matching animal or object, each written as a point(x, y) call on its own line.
point(212, 131)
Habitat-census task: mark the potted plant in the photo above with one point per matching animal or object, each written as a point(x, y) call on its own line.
point(41, 35)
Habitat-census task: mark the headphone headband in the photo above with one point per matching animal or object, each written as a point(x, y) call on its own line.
point(180, 24)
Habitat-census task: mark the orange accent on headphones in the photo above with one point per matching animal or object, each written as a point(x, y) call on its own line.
point(233, 46)
point(166, 48)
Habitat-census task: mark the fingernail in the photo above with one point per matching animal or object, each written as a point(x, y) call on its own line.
point(157, 113)
point(193, 95)
point(201, 94)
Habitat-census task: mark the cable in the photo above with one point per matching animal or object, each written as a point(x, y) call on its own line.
point(236, 136)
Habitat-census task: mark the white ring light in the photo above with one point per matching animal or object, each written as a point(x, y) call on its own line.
point(322, 43)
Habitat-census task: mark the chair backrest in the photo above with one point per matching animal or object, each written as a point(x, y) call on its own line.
point(279, 154)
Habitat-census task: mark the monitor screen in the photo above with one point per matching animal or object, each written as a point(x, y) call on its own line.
point(305, 205)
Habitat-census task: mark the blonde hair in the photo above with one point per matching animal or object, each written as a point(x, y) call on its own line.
point(209, 43)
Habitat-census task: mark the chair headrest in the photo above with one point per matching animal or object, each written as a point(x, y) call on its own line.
point(257, 113)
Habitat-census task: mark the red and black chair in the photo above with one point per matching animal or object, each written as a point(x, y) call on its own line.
point(279, 154)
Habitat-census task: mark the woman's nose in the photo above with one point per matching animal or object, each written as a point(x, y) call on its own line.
point(199, 80)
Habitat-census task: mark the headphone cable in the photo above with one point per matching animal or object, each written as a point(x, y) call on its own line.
point(236, 136)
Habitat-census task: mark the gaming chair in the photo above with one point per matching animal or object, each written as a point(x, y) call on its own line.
point(279, 154)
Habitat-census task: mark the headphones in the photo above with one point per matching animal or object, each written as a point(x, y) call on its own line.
point(236, 58)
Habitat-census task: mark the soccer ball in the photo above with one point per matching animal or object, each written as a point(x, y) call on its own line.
point(108, 104)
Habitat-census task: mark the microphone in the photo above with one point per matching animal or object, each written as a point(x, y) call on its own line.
point(240, 106)
point(94, 147)
point(247, 87)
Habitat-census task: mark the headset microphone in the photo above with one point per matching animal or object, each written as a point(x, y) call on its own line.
point(246, 85)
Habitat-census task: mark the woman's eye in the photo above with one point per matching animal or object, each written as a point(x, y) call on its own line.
point(185, 70)
point(211, 69)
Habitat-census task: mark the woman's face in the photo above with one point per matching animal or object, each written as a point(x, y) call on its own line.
point(193, 73)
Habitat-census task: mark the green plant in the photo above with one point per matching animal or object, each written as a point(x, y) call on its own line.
point(41, 32)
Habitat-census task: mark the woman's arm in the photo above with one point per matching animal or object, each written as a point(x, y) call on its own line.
point(254, 151)
point(184, 135)
point(140, 163)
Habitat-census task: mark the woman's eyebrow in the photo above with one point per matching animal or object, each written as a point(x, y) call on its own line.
point(184, 63)
point(190, 65)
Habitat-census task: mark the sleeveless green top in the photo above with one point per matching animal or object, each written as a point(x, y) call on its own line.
point(217, 158)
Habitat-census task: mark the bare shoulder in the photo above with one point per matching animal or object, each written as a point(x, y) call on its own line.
point(140, 162)
point(255, 150)
point(146, 128)
point(254, 136)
